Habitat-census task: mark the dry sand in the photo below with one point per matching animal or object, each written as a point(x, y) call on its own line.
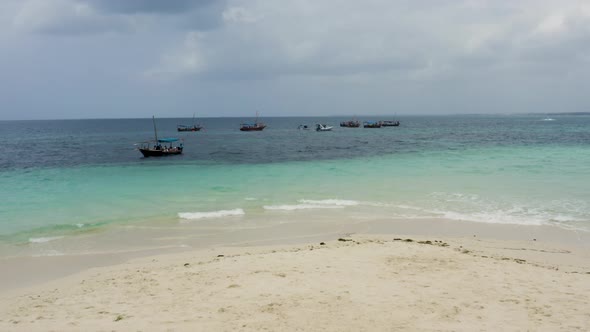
point(371, 283)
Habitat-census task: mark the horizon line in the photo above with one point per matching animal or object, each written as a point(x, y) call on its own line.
point(311, 116)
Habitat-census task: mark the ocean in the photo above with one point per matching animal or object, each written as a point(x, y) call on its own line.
point(74, 179)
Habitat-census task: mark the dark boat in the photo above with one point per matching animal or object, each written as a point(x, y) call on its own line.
point(256, 126)
point(371, 124)
point(350, 124)
point(193, 127)
point(161, 147)
point(388, 123)
point(188, 128)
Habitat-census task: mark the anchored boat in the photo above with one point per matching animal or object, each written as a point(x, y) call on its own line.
point(388, 123)
point(161, 147)
point(371, 124)
point(193, 127)
point(322, 127)
point(256, 126)
point(350, 124)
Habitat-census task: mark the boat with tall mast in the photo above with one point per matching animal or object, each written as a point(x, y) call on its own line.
point(193, 127)
point(256, 126)
point(161, 147)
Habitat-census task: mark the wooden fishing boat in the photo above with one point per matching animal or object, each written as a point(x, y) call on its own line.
point(256, 126)
point(193, 127)
point(371, 124)
point(350, 124)
point(161, 147)
point(188, 128)
point(388, 123)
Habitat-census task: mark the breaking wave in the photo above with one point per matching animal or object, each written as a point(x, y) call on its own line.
point(305, 204)
point(301, 207)
point(211, 214)
point(336, 202)
point(44, 239)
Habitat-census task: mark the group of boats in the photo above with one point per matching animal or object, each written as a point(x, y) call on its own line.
point(160, 147)
point(369, 124)
point(352, 124)
point(255, 126)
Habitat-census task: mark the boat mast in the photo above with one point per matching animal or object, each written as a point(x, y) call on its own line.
point(155, 130)
point(194, 120)
point(256, 121)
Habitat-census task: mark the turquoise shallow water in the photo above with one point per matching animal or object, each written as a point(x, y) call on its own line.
point(518, 181)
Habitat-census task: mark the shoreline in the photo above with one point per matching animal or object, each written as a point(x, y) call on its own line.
point(355, 282)
point(26, 271)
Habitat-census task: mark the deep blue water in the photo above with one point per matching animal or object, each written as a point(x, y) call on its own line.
point(66, 143)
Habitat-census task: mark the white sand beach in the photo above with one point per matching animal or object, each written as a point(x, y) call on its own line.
point(365, 283)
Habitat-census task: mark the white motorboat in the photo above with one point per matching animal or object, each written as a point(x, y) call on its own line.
point(323, 127)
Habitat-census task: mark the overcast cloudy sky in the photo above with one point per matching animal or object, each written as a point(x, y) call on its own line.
point(135, 58)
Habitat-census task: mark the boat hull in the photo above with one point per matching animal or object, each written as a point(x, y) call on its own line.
point(159, 153)
point(323, 128)
point(189, 129)
point(259, 128)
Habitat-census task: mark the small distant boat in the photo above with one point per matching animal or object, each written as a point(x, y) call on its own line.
point(350, 124)
point(371, 124)
point(256, 126)
point(303, 127)
point(323, 127)
point(188, 128)
point(194, 127)
point(388, 123)
point(161, 147)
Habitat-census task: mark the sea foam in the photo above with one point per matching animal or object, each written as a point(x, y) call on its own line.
point(44, 239)
point(211, 214)
point(301, 207)
point(336, 202)
point(313, 204)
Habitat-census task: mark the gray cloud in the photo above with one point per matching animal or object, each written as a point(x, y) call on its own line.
point(148, 6)
point(293, 57)
point(78, 17)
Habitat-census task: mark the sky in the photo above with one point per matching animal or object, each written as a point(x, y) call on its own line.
point(63, 59)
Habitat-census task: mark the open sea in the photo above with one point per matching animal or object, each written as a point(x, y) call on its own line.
point(70, 178)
